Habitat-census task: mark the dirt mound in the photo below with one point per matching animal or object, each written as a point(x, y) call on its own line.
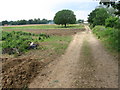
point(17, 73)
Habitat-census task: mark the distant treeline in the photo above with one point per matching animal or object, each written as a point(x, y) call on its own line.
point(24, 22)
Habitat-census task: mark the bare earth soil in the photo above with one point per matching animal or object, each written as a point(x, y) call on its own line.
point(85, 64)
point(51, 31)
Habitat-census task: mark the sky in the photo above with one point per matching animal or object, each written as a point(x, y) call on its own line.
point(30, 9)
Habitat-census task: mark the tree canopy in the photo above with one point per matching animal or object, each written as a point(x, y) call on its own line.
point(98, 16)
point(23, 22)
point(114, 3)
point(65, 17)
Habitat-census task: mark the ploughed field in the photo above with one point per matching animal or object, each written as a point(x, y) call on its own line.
point(47, 29)
point(20, 69)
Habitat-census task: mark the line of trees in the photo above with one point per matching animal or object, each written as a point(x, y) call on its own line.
point(105, 23)
point(102, 16)
point(108, 14)
point(24, 22)
point(112, 3)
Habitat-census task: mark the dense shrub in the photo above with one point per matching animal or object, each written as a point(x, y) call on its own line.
point(98, 17)
point(117, 24)
point(112, 22)
point(109, 35)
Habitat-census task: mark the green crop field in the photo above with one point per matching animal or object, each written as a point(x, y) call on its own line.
point(47, 26)
point(19, 40)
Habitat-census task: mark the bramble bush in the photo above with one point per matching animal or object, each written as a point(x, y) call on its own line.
point(108, 35)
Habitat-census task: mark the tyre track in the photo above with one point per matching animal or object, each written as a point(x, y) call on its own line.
point(96, 69)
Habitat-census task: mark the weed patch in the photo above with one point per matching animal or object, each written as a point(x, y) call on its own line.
point(18, 41)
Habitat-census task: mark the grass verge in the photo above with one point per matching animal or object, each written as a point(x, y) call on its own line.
point(58, 43)
point(109, 36)
point(87, 67)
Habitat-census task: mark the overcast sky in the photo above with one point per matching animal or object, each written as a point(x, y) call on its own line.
point(30, 9)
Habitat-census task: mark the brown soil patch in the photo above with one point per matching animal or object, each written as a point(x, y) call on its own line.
point(19, 72)
point(51, 31)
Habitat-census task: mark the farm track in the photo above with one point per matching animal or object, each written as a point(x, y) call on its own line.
point(83, 65)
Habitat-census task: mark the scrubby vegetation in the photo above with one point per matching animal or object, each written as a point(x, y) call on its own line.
point(112, 22)
point(109, 36)
point(18, 41)
point(106, 26)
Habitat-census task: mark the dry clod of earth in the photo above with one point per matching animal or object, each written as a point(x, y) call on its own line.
point(19, 72)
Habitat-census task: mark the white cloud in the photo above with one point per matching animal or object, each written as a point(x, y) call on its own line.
point(82, 14)
point(29, 9)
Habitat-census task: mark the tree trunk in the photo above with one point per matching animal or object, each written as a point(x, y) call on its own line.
point(65, 25)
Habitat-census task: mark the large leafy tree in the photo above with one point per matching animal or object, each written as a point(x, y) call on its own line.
point(114, 3)
point(92, 15)
point(98, 16)
point(5, 22)
point(65, 17)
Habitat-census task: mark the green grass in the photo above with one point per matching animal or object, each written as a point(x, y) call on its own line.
point(86, 49)
point(0, 47)
point(86, 53)
point(71, 26)
point(58, 43)
point(87, 63)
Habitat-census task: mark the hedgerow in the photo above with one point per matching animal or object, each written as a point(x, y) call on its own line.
point(108, 35)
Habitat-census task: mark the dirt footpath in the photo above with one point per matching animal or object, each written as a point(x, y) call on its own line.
point(85, 64)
